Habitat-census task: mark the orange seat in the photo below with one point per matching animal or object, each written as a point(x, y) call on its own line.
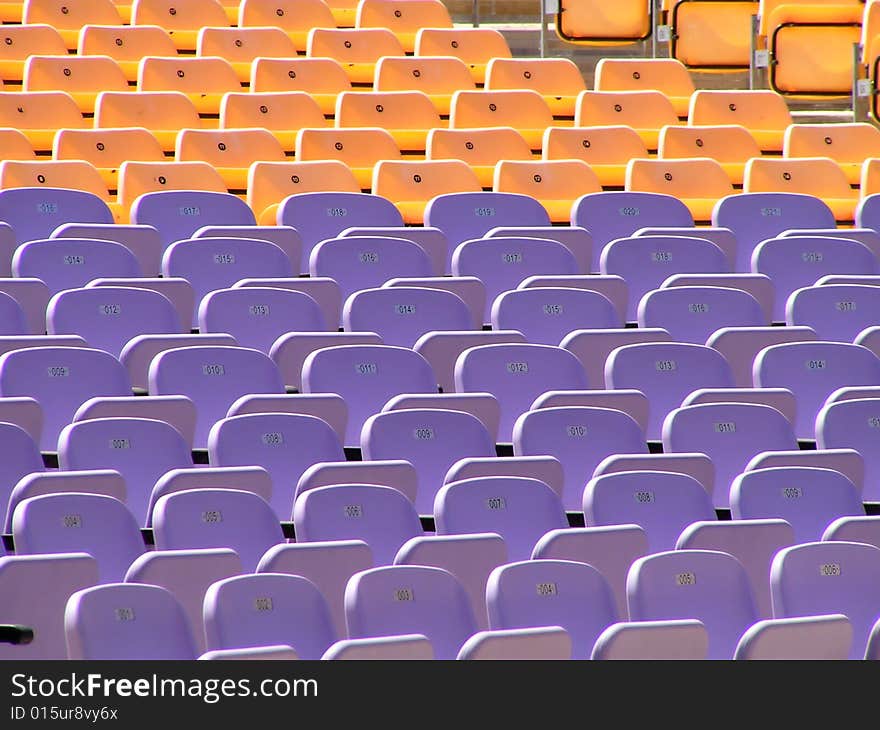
point(294, 17)
point(732, 146)
point(322, 78)
point(38, 114)
point(183, 19)
point(137, 178)
point(817, 176)
point(649, 74)
point(870, 180)
point(19, 42)
point(605, 149)
point(107, 149)
point(10, 11)
point(475, 46)
point(230, 151)
point(68, 17)
point(558, 80)
point(437, 76)
point(712, 34)
point(870, 41)
point(204, 79)
point(408, 115)
point(359, 149)
point(849, 145)
point(410, 185)
point(645, 111)
point(14, 145)
point(482, 148)
point(83, 77)
point(698, 182)
point(525, 111)
point(596, 21)
point(344, 12)
point(125, 44)
point(763, 112)
point(357, 50)
point(72, 174)
point(555, 184)
point(240, 46)
point(283, 114)
point(404, 18)
point(164, 113)
point(271, 182)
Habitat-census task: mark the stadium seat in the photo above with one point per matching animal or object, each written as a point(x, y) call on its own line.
point(475, 46)
point(764, 113)
point(596, 23)
point(712, 35)
point(846, 461)
point(592, 347)
point(558, 80)
point(178, 291)
point(730, 145)
point(668, 76)
point(482, 406)
point(849, 145)
point(20, 42)
point(182, 20)
point(15, 145)
point(295, 17)
point(631, 402)
point(758, 286)
point(652, 640)
point(83, 77)
point(125, 44)
point(357, 50)
point(323, 290)
point(175, 410)
point(398, 647)
point(67, 174)
point(780, 399)
point(403, 17)
point(439, 77)
point(38, 114)
point(163, 113)
point(537, 643)
point(523, 109)
point(645, 111)
point(229, 151)
point(21, 457)
point(407, 115)
point(605, 149)
point(395, 473)
point(68, 19)
point(698, 182)
point(613, 288)
point(411, 185)
point(801, 637)
point(204, 79)
point(854, 529)
point(321, 78)
point(240, 46)
point(328, 407)
point(555, 184)
point(835, 312)
point(850, 425)
point(359, 149)
point(285, 237)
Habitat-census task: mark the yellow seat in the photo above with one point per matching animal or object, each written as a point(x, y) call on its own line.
point(410, 185)
point(647, 74)
point(359, 149)
point(870, 180)
point(38, 114)
point(203, 79)
point(357, 50)
point(283, 114)
point(763, 112)
point(597, 21)
point(240, 46)
point(712, 34)
point(72, 174)
point(137, 178)
point(294, 17)
point(107, 149)
point(437, 76)
point(183, 19)
point(68, 17)
point(271, 182)
point(525, 111)
point(555, 184)
point(482, 148)
point(125, 44)
point(83, 77)
point(558, 80)
point(344, 12)
point(14, 145)
point(10, 11)
point(605, 149)
point(322, 78)
point(698, 182)
point(645, 111)
point(164, 113)
point(475, 46)
point(870, 40)
point(732, 146)
point(817, 176)
point(404, 18)
point(407, 115)
point(849, 145)
point(230, 151)
point(19, 42)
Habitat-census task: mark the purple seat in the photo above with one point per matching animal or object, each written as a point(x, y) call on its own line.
point(366, 376)
point(432, 240)
point(277, 653)
point(847, 461)
point(35, 212)
point(661, 503)
point(290, 350)
point(326, 406)
point(698, 466)
point(143, 241)
point(516, 374)
point(139, 352)
point(576, 239)
point(218, 263)
point(70, 263)
point(829, 577)
point(108, 317)
point(545, 469)
point(781, 399)
point(213, 378)
point(268, 609)
point(470, 558)
point(61, 379)
point(728, 433)
point(469, 289)
point(400, 315)
point(592, 347)
point(854, 424)
point(502, 263)
point(739, 345)
point(808, 498)
point(328, 565)
point(812, 371)
point(610, 550)
point(385, 648)
point(178, 291)
point(613, 288)
point(431, 440)
point(546, 315)
point(544, 643)
point(395, 473)
point(646, 262)
point(721, 237)
point(32, 296)
point(482, 406)
point(752, 542)
point(519, 509)
point(380, 516)
point(257, 316)
point(175, 410)
point(19, 456)
point(213, 518)
point(323, 290)
point(187, 574)
point(8, 242)
point(666, 373)
point(796, 262)
point(178, 214)
point(653, 640)
point(867, 236)
point(755, 217)
point(799, 638)
point(319, 216)
point(837, 312)
point(410, 599)
point(284, 444)
point(8, 343)
point(854, 529)
point(140, 449)
point(12, 317)
point(285, 237)
point(579, 438)
point(23, 412)
point(758, 285)
point(79, 523)
point(867, 213)
point(127, 621)
point(35, 589)
point(632, 402)
point(536, 593)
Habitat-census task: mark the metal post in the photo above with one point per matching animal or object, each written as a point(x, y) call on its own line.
point(862, 88)
point(475, 15)
point(543, 21)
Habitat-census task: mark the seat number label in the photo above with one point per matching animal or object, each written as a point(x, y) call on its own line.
point(685, 579)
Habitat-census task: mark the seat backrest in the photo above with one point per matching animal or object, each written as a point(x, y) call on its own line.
point(437, 75)
point(191, 75)
point(243, 45)
point(517, 108)
point(597, 146)
point(631, 74)
point(155, 110)
point(69, 174)
point(801, 637)
point(107, 148)
point(694, 178)
point(28, 40)
point(547, 76)
point(21, 456)
point(471, 45)
point(722, 142)
point(353, 45)
point(673, 639)
point(402, 16)
point(756, 109)
point(280, 111)
point(405, 181)
point(127, 44)
point(821, 177)
point(228, 147)
point(175, 410)
point(174, 16)
point(841, 142)
point(293, 16)
point(739, 345)
point(850, 424)
point(535, 643)
point(299, 73)
point(641, 110)
point(355, 147)
point(562, 180)
point(483, 147)
point(73, 74)
point(54, 207)
point(834, 311)
point(63, 17)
